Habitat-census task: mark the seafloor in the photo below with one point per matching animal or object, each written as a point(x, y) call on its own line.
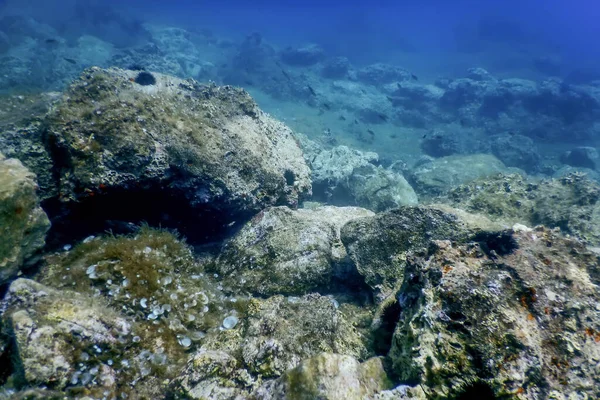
point(371, 237)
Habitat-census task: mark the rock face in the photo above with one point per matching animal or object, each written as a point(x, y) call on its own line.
point(55, 331)
point(570, 203)
point(440, 175)
point(283, 251)
point(516, 151)
point(501, 317)
point(211, 147)
point(276, 336)
point(303, 56)
point(380, 245)
point(23, 224)
point(343, 176)
point(328, 377)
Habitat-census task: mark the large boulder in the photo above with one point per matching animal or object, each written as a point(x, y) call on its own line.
point(328, 377)
point(276, 335)
point(65, 339)
point(284, 251)
point(380, 245)
point(514, 314)
point(207, 148)
point(516, 151)
point(343, 176)
point(380, 74)
point(23, 223)
point(439, 175)
point(21, 121)
point(302, 56)
point(571, 202)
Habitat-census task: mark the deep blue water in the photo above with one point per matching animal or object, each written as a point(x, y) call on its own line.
point(440, 31)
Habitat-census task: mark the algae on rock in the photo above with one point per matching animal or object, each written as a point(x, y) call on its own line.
point(514, 314)
point(23, 223)
point(211, 147)
point(284, 251)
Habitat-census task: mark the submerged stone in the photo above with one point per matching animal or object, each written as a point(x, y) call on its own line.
point(23, 223)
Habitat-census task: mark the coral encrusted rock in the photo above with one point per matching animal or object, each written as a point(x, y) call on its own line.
point(514, 314)
point(23, 224)
point(209, 147)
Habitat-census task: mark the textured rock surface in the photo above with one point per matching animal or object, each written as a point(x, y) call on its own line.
point(211, 146)
point(513, 315)
point(570, 203)
point(21, 118)
point(52, 330)
point(279, 332)
point(444, 173)
point(343, 176)
point(274, 337)
point(283, 251)
point(328, 377)
point(23, 224)
point(379, 245)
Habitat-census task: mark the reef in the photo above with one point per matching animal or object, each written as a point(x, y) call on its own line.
point(164, 238)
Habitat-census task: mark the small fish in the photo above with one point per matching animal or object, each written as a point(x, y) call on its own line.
point(51, 41)
point(393, 136)
point(383, 117)
point(342, 118)
point(371, 132)
point(414, 77)
point(326, 106)
point(462, 122)
point(424, 136)
point(398, 85)
point(355, 122)
point(70, 60)
point(311, 90)
point(391, 99)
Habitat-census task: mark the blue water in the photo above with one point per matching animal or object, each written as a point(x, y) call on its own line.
point(529, 39)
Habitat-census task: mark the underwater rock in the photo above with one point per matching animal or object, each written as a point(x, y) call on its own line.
point(512, 315)
point(209, 148)
point(21, 136)
point(402, 392)
point(441, 144)
point(583, 156)
point(440, 175)
point(380, 74)
point(516, 151)
point(336, 68)
point(343, 176)
point(379, 245)
point(328, 377)
point(571, 203)
point(283, 251)
point(280, 332)
point(276, 335)
point(58, 332)
point(23, 223)
point(214, 375)
point(380, 189)
point(302, 56)
point(479, 75)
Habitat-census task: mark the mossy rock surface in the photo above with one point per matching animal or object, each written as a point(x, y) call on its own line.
point(209, 145)
point(328, 376)
point(514, 314)
point(380, 245)
point(571, 203)
point(290, 252)
point(23, 223)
